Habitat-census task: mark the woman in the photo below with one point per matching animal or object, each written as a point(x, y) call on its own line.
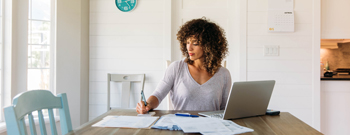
point(198, 82)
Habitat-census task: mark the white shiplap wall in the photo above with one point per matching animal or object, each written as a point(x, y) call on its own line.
point(125, 43)
point(292, 69)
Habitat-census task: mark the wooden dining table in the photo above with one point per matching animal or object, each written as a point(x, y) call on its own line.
point(283, 124)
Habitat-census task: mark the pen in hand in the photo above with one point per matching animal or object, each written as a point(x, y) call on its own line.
point(143, 98)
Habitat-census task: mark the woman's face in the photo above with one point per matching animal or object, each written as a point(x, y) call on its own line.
point(194, 50)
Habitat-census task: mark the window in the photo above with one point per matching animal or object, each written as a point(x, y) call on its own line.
point(40, 45)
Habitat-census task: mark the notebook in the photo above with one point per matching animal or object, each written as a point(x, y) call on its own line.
point(246, 99)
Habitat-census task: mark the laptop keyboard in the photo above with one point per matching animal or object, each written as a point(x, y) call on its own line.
point(217, 115)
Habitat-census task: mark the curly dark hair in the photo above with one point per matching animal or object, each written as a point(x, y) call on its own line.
point(210, 37)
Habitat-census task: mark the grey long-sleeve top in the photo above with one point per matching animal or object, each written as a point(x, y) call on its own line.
point(187, 94)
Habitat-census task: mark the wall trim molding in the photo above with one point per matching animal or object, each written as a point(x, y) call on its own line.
point(316, 37)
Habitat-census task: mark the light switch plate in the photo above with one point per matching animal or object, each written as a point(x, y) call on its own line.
point(271, 50)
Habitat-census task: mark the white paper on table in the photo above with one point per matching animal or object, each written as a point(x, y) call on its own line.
point(196, 125)
point(166, 122)
point(126, 121)
point(235, 129)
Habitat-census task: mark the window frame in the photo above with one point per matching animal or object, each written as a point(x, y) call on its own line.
point(2, 60)
point(52, 43)
point(5, 92)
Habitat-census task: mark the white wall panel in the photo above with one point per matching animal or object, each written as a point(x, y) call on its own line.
point(303, 66)
point(261, 17)
point(288, 90)
point(98, 87)
point(292, 78)
point(281, 40)
point(286, 53)
point(115, 17)
point(257, 5)
point(203, 4)
point(302, 17)
point(126, 29)
point(97, 110)
point(92, 117)
point(291, 102)
point(126, 41)
point(257, 17)
point(98, 99)
point(303, 6)
point(261, 5)
point(126, 52)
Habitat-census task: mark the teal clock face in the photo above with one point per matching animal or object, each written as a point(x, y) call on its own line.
point(126, 5)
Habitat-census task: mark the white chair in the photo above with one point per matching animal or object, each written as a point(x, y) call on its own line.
point(223, 63)
point(126, 79)
point(25, 103)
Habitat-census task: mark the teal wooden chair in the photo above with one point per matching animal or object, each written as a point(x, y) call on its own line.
point(36, 100)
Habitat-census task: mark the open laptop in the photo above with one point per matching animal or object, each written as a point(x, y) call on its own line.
point(246, 99)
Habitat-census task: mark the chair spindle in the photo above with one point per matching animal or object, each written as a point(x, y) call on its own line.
point(22, 126)
point(32, 124)
point(52, 122)
point(42, 123)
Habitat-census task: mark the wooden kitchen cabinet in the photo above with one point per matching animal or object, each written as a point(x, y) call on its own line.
point(335, 19)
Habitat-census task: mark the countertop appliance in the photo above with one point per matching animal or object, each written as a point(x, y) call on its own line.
point(343, 71)
point(328, 74)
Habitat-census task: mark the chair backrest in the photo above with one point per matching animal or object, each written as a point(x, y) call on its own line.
point(223, 63)
point(126, 80)
point(37, 100)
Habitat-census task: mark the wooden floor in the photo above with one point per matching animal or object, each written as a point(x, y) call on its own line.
point(284, 124)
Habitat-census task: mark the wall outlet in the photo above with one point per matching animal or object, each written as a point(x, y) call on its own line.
point(271, 50)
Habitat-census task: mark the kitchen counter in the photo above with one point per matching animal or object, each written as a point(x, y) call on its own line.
point(337, 77)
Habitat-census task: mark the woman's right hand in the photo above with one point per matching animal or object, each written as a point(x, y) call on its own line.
point(141, 108)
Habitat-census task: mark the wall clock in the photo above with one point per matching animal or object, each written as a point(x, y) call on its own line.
point(126, 5)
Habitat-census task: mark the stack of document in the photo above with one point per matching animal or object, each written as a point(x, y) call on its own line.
point(166, 122)
point(206, 126)
point(126, 121)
